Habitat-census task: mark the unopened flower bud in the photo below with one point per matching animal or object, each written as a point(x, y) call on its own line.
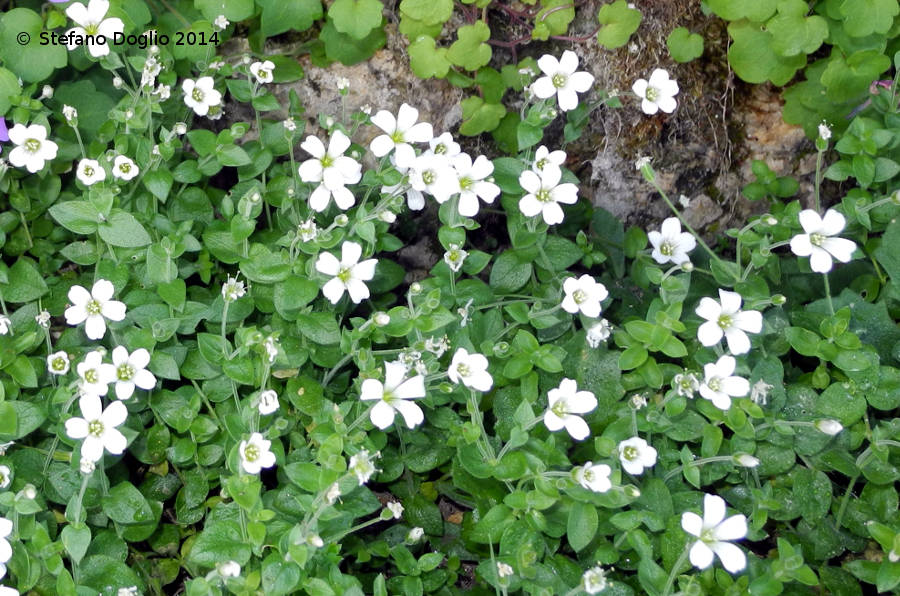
point(770, 220)
point(779, 299)
point(687, 266)
point(180, 128)
point(415, 535)
point(381, 319)
point(829, 427)
point(415, 288)
point(746, 460)
point(117, 82)
point(341, 220)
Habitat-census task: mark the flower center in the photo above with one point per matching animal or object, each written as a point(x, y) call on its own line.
point(428, 177)
point(88, 171)
point(197, 95)
point(465, 183)
point(91, 376)
point(125, 168)
point(92, 28)
point(251, 452)
point(440, 149)
point(579, 296)
point(541, 163)
point(125, 372)
point(344, 274)
point(816, 239)
point(714, 383)
point(543, 195)
point(397, 136)
point(708, 535)
point(725, 321)
point(93, 307)
point(58, 364)
point(560, 408)
point(559, 80)
point(32, 145)
point(95, 428)
point(630, 453)
point(652, 93)
point(667, 249)
point(327, 161)
point(463, 369)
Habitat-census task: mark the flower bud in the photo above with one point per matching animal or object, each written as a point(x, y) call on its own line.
point(829, 427)
point(415, 288)
point(779, 299)
point(415, 535)
point(687, 266)
point(341, 220)
point(746, 460)
point(381, 319)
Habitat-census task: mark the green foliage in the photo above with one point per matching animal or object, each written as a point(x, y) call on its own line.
point(619, 23)
point(683, 45)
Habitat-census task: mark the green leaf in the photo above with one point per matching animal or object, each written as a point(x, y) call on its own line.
point(887, 254)
point(25, 282)
point(279, 16)
point(683, 45)
point(840, 403)
point(356, 18)
point(219, 541)
point(93, 106)
point(234, 10)
point(795, 33)
point(753, 58)
point(756, 11)
point(159, 183)
point(428, 12)
point(508, 273)
point(812, 494)
point(555, 16)
point(847, 78)
point(122, 229)
point(348, 50)
point(76, 541)
point(427, 61)
point(619, 22)
point(319, 327)
point(865, 17)
point(126, 505)
point(480, 116)
point(469, 50)
point(582, 525)
point(232, 155)
point(101, 571)
point(9, 87)
point(31, 62)
point(293, 294)
point(80, 217)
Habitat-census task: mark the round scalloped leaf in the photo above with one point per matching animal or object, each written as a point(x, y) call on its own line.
point(733, 10)
point(793, 32)
point(279, 16)
point(683, 45)
point(340, 46)
point(619, 22)
point(234, 10)
point(469, 50)
point(356, 18)
point(33, 61)
point(429, 12)
point(753, 59)
point(427, 61)
point(9, 87)
point(864, 17)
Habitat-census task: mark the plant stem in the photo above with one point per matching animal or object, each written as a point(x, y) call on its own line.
point(671, 579)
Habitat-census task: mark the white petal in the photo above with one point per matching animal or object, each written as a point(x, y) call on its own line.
point(568, 62)
point(801, 245)
point(810, 221)
point(833, 223)
point(749, 320)
point(841, 248)
point(75, 315)
point(731, 301)
point(820, 260)
point(77, 428)
point(333, 290)
point(381, 145)
point(310, 170)
point(371, 389)
point(115, 414)
point(144, 379)
point(406, 117)
point(140, 358)
point(713, 510)
point(364, 270)
point(549, 65)
point(328, 264)
point(738, 342)
point(411, 388)
point(95, 327)
point(543, 88)
point(530, 206)
point(692, 523)
point(114, 441)
point(382, 415)
point(92, 449)
point(581, 81)
point(552, 421)
point(567, 98)
point(648, 107)
point(553, 214)
point(701, 556)
point(386, 122)
point(350, 253)
point(79, 296)
point(709, 333)
point(735, 386)
point(658, 77)
point(124, 390)
point(733, 558)
point(113, 310)
point(338, 144)
point(709, 309)
point(640, 88)
point(667, 104)
point(530, 181)
point(358, 291)
point(420, 133)
point(411, 412)
point(733, 528)
point(577, 427)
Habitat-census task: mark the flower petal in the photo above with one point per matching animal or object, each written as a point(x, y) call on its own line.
point(733, 528)
point(382, 415)
point(833, 223)
point(691, 523)
point(577, 427)
point(713, 510)
point(411, 412)
point(328, 264)
point(733, 558)
point(701, 555)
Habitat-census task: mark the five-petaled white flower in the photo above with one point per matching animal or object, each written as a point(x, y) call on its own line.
point(200, 95)
point(444, 145)
point(58, 363)
point(347, 274)
point(221, 22)
point(433, 174)
point(594, 477)
point(95, 375)
point(598, 333)
point(561, 80)
point(658, 93)
point(455, 257)
point(399, 133)
point(585, 295)
point(670, 244)
point(474, 183)
point(90, 171)
point(721, 384)
point(636, 454)
point(544, 157)
point(94, 308)
point(544, 193)
point(564, 404)
point(233, 289)
point(268, 402)
point(818, 241)
point(93, 26)
point(362, 466)
point(685, 384)
point(131, 371)
point(331, 169)
point(594, 580)
point(255, 454)
point(124, 168)
point(32, 148)
point(6, 528)
point(262, 71)
point(726, 318)
point(504, 570)
point(470, 370)
point(98, 427)
point(393, 395)
point(714, 533)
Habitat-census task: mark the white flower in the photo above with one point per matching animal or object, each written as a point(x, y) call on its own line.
point(95, 374)
point(759, 393)
point(200, 95)
point(255, 454)
point(594, 477)
point(685, 384)
point(455, 257)
point(262, 71)
point(90, 171)
point(415, 534)
point(333, 493)
point(93, 27)
point(474, 183)
point(268, 402)
point(58, 363)
point(564, 404)
point(229, 569)
point(638, 401)
point(343, 83)
point(43, 319)
point(5, 325)
point(179, 128)
point(636, 454)
point(437, 346)
point(131, 371)
point(6, 528)
point(713, 532)
point(503, 570)
point(399, 132)
point(670, 244)
point(545, 193)
point(124, 168)
point(221, 22)
point(642, 162)
point(561, 80)
point(98, 427)
point(658, 93)
point(87, 467)
point(818, 243)
point(395, 508)
point(4, 476)
point(470, 370)
point(544, 157)
point(598, 333)
point(720, 384)
point(347, 274)
point(434, 175)
point(331, 169)
point(594, 580)
point(93, 308)
point(583, 294)
point(308, 230)
point(726, 318)
point(152, 67)
point(829, 427)
point(824, 131)
point(233, 289)
point(32, 148)
point(392, 396)
point(271, 346)
point(362, 466)
point(69, 113)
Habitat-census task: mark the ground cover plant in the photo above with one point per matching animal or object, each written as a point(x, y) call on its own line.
point(217, 378)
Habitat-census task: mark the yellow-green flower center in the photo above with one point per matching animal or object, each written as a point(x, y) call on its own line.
point(95, 428)
point(125, 168)
point(344, 274)
point(652, 93)
point(559, 80)
point(93, 307)
point(428, 177)
point(327, 161)
point(543, 195)
point(816, 239)
point(397, 136)
point(579, 296)
point(559, 408)
point(32, 145)
point(541, 163)
point(251, 452)
point(125, 372)
point(667, 249)
point(465, 183)
point(91, 376)
point(714, 383)
point(630, 453)
point(58, 363)
point(440, 149)
point(92, 28)
point(463, 369)
point(725, 321)
point(197, 94)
